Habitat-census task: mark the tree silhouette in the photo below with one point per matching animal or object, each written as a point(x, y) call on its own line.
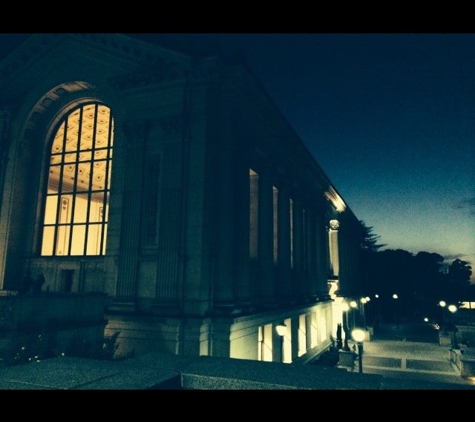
point(368, 240)
point(458, 278)
point(418, 280)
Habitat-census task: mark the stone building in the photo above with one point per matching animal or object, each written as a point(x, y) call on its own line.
point(173, 184)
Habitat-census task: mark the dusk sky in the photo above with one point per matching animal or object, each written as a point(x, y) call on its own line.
point(390, 118)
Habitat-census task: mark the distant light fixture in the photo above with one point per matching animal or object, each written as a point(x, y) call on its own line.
point(395, 296)
point(332, 195)
point(442, 303)
point(353, 304)
point(426, 319)
point(452, 308)
point(358, 335)
point(281, 329)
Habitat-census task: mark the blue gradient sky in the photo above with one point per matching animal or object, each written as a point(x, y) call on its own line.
point(390, 118)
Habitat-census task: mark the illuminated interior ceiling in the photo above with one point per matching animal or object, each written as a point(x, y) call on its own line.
point(93, 147)
point(335, 199)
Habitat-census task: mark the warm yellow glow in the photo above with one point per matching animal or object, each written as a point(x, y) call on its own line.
point(333, 288)
point(358, 335)
point(335, 199)
point(77, 201)
point(281, 329)
point(302, 335)
point(353, 304)
point(452, 308)
point(442, 303)
point(395, 296)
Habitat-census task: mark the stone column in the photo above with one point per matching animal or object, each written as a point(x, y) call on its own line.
point(298, 270)
point(131, 211)
point(265, 239)
point(283, 265)
point(170, 255)
point(242, 233)
point(310, 255)
point(225, 226)
point(321, 256)
point(334, 247)
point(4, 145)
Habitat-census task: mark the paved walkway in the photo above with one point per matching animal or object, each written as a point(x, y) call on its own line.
point(411, 360)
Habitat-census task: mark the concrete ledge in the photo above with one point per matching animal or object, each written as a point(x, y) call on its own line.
point(160, 371)
point(231, 374)
point(164, 371)
point(346, 359)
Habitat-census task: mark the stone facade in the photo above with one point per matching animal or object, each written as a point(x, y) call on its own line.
point(220, 223)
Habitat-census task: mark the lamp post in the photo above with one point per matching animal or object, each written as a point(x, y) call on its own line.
point(281, 330)
point(358, 335)
point(363, 302)
point(442, 304)
point(396, 297)
point(346, 329)
point(378, 315)
point(453, 309)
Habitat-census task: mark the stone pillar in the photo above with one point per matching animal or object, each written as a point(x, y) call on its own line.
point(310, 255)
point(4, 145)
point(225, 226)
point(131, 211)
point(242, 233)
point(283, 265)
point(265, 239)
point(171, 202)
point(321, 256)
point(334, 247)
point(298, 270)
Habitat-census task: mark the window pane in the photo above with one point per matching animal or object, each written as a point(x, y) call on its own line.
point(79, 182)
point(48, 240)
point(80, 208)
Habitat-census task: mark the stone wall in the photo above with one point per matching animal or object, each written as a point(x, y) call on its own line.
point(63, 316)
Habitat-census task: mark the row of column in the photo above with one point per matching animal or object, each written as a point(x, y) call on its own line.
point(285, 260)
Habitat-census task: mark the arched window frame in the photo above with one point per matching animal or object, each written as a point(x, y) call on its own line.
point(76, 204)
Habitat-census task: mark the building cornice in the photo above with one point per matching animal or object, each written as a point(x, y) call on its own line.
point(141, 53)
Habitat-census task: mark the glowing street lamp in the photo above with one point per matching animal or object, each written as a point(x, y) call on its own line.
point(396, 297)
point(281, 329)
point(358, 335)
point(378, 314)
point(452, 309)
point(443, 304)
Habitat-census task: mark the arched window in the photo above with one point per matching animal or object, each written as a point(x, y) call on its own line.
point(77, 200)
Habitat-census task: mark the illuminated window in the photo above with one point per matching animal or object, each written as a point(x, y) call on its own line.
point(77, 200)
